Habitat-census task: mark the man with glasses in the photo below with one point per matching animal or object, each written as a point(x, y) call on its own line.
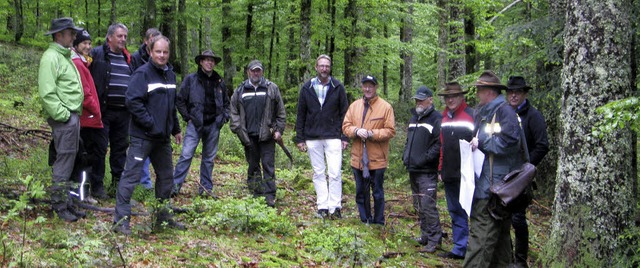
point(457, 124)
point(321, 107)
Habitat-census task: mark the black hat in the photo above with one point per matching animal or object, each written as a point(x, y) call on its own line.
point(81, 36)
point(490, 80)
point(517, 83)
point(210, 54)
point(369, 78)
point(423, 93)
point(255, 64)
point(60, 24)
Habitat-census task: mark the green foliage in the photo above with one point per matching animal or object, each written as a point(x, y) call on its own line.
point(248, 215)
point(627, 253)
point(336, 245)
point(618, 114)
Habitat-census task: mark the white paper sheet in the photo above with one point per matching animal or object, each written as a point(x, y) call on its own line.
point(467, 179)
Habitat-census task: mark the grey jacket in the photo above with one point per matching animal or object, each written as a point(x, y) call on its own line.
point(273, 118)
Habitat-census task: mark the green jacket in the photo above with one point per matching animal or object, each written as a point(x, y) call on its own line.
point(59, 83)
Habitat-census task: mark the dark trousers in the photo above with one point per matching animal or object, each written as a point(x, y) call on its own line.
point(66, 136)
point(489, 239)
point(364, 186)
point(116, 136)
point(92, 138)
point(261, 180)
point(521, 229)
point(424, 187)
point(160, 154)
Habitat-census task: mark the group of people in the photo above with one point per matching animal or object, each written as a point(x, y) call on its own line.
point(108, 97)
point(509, 131)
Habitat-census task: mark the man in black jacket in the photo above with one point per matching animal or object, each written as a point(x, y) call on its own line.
point(111, 70)
point(322, 104)
point(151, 101)
point(204, 104)
point(535, 133)
point(421, 157)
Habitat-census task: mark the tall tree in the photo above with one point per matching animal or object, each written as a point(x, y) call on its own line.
point(182, 39)
point(227, 47)
point(273, 36)
point(113, 16)
point(469, 38)
point(406, 67)
point(18, 20)
point(305, 39)
point(148, 16)
point(349, 30)
point(457, 65)
point(441, 56)
point(167, 27)
point(593, 170)
point(290, 70)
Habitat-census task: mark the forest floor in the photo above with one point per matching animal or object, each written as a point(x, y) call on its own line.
point(231, 231)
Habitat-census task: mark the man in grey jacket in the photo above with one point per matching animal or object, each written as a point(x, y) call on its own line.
point(258, 118)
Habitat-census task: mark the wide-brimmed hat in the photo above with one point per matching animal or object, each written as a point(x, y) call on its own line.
point(208, 53)
point(491, 80)
point(422, 93)
point(61, 24)
point(517, 83)
point(452, 89)
point(369, 78)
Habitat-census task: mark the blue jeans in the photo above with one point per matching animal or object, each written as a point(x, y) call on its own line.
point(145, 175)
point(459, 218)
point(210, 135)
point(363, 197)
point(159, 152)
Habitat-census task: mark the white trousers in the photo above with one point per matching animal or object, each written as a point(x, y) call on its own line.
point(328, 191)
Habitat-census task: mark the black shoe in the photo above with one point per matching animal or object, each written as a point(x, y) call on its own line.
point(421, 241)
point(431, 247)
point(271, 201)
point(99, 194)
point(122, 228)
point(77, 212)
point(322, 213)
point(336, 214)
point(450, 255)
point(175, 191)
point(66, 215)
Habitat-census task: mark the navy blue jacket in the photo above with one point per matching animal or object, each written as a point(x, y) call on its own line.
point(317, 122)
point(535, 132)
point(151, 101)
point(101, 72)
point(191, 100)
point(139, 57)
point(422, 148)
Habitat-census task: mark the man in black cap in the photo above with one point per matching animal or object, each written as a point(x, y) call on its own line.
point(421, 157)
point(61, 93)
point(204, 104)
point(258, 118)
point(370, 122)
point(535, 132)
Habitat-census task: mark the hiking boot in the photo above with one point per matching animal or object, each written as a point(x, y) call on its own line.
point(271, 201)
point(66, 215)
point(207, 194)
point(336, 214)
point(431, 247)
point(99, 194)
point(77, 212)
point(450, 255)
point(322, 213)
point(175, 191)
point(421, 240)
point(122, 228)
point(90, 200)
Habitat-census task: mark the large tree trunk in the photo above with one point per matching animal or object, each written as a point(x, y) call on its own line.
point(167, 27)
point(457, 65)
point(406, 67)
point(183, 46)
point(469, 38)
point(18, 21)
point(385, 65)
point(305, 39)
point(272, 37)
point(594, 202)
point(148, 16)
point(227, 49)
point(350, 13)
point(442, 43)
point(113, 17)
point(332, 36)
point(290, 70)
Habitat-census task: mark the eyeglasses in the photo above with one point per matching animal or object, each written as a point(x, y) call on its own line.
point(324, 66)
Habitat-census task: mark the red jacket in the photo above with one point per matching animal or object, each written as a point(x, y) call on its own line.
point(91, 117)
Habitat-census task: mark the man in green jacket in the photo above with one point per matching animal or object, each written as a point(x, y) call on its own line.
point(61, 94)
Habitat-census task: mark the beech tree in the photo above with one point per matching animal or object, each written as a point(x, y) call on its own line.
point(594, 200)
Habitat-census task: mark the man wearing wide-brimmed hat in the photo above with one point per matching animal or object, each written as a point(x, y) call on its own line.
point(535, 132)
point(61, 94)
point(498, 137)
point(204, 104)
point(457, 124)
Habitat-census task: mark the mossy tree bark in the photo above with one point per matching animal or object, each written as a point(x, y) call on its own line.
point(594, 201)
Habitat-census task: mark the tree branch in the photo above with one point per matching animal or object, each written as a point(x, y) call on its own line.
point(503, 10)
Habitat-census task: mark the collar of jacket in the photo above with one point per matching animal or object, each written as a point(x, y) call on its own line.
point(490, 108)
point(463, 105)
point(263, 83)
point(215, 77)
point(66, 52)
point(125, 52)
point(168, 68)
point(523, 107)
point(424, 113)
